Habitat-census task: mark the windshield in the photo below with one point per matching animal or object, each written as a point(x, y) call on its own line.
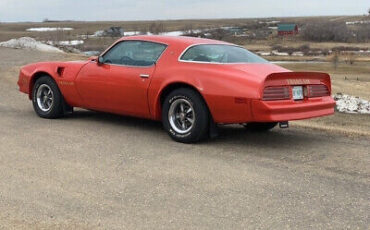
point(220, 54)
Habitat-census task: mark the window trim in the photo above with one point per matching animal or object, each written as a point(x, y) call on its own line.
point(215, 63)
point(134, 40)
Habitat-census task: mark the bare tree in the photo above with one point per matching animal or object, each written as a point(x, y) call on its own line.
point(327, 31)
point(156, 28)
point(219, 34)
point(188, 28)
point(335, 59)
point(135, 28)
point(152, 28)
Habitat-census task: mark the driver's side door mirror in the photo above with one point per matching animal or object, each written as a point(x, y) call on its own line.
point(100, 60)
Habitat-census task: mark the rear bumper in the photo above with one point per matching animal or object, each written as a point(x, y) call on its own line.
point(287, 110)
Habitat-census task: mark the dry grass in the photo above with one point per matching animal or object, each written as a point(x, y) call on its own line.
point(343, 68)
point(14, 30)
point(350, 79)
point(295, 43)
point(350, 124)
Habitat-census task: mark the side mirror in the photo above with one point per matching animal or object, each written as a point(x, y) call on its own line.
point(100, 60)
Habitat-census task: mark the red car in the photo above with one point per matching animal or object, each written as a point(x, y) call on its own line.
point(190, 84)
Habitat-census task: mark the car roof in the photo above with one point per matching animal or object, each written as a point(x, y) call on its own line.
point(173, 40)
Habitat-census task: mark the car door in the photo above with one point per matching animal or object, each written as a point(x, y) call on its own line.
point(119, 82)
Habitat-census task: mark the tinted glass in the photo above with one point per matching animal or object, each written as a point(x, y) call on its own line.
point(134, 53)
point(221, 54)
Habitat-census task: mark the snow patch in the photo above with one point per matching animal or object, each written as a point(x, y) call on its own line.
point(264, 53)
point(99, 33)
point(173, 33)
point(30, 44)
point(351, 104)
point(102, 33)
point(131, 33)
point(358, 22)
point(298, 54)
point(66, 43)
point(269, 22)
point(277, 53)
point(46, 29)
point(91, 53)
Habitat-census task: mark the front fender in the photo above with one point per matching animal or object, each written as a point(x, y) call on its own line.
point(63, 73)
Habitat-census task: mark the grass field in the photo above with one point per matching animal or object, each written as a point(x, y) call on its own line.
point(16, 30)
point(349, 79)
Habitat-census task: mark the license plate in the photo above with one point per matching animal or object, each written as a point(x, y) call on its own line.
point(297, 92)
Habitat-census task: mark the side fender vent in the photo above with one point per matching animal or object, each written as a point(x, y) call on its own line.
point(60, 71)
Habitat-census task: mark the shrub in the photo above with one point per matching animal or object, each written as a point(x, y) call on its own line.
point(327, 31)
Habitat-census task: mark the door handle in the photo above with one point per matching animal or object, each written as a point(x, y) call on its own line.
point(144, 75)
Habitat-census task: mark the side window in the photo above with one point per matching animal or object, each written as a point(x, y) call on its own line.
point(134, 53)
point(220, 53)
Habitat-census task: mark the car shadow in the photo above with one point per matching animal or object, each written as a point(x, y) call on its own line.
point(116, 120)
point(236, 135)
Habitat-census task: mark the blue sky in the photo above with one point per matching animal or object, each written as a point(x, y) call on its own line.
point(96, 10)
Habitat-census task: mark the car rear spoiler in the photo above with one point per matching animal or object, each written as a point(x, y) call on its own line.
point(298, 78)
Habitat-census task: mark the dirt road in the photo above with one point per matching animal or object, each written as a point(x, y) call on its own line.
point(100, 171)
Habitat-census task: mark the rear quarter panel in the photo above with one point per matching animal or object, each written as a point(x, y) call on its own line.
point(227, 92)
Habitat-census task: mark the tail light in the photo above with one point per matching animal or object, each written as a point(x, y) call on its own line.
point(276, 93)
point(318, 91)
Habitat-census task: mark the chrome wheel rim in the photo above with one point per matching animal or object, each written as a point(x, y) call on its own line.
point(45, 98)
point(181, 116)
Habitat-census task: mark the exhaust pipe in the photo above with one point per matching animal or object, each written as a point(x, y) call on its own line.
point(284, 124)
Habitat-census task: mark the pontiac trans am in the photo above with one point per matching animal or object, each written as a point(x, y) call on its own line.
point(190, 84)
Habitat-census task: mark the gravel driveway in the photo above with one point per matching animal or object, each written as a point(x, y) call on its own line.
point(101, 171)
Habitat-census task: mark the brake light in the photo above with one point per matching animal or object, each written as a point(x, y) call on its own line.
point(276, 93)
point(318, 91)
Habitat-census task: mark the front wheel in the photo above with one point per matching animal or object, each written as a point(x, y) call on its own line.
point(185, 116)
point(260, 126)
point(46, 98)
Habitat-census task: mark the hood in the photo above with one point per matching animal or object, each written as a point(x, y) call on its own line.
point(70, 68)
point(54, 64)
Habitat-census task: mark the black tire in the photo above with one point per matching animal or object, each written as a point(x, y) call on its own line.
point(56, 108)
point(260, 127)
point(198, 130)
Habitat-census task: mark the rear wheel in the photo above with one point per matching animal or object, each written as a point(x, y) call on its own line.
point(260, 126)
point(46, 98)
point(185, 116)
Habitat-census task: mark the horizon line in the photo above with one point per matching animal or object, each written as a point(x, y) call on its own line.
point(180, 19)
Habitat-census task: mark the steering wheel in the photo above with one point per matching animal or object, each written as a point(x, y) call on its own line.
point(223, 58)
point(126, 60)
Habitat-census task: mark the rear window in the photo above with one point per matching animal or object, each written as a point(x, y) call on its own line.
point(220, 54)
